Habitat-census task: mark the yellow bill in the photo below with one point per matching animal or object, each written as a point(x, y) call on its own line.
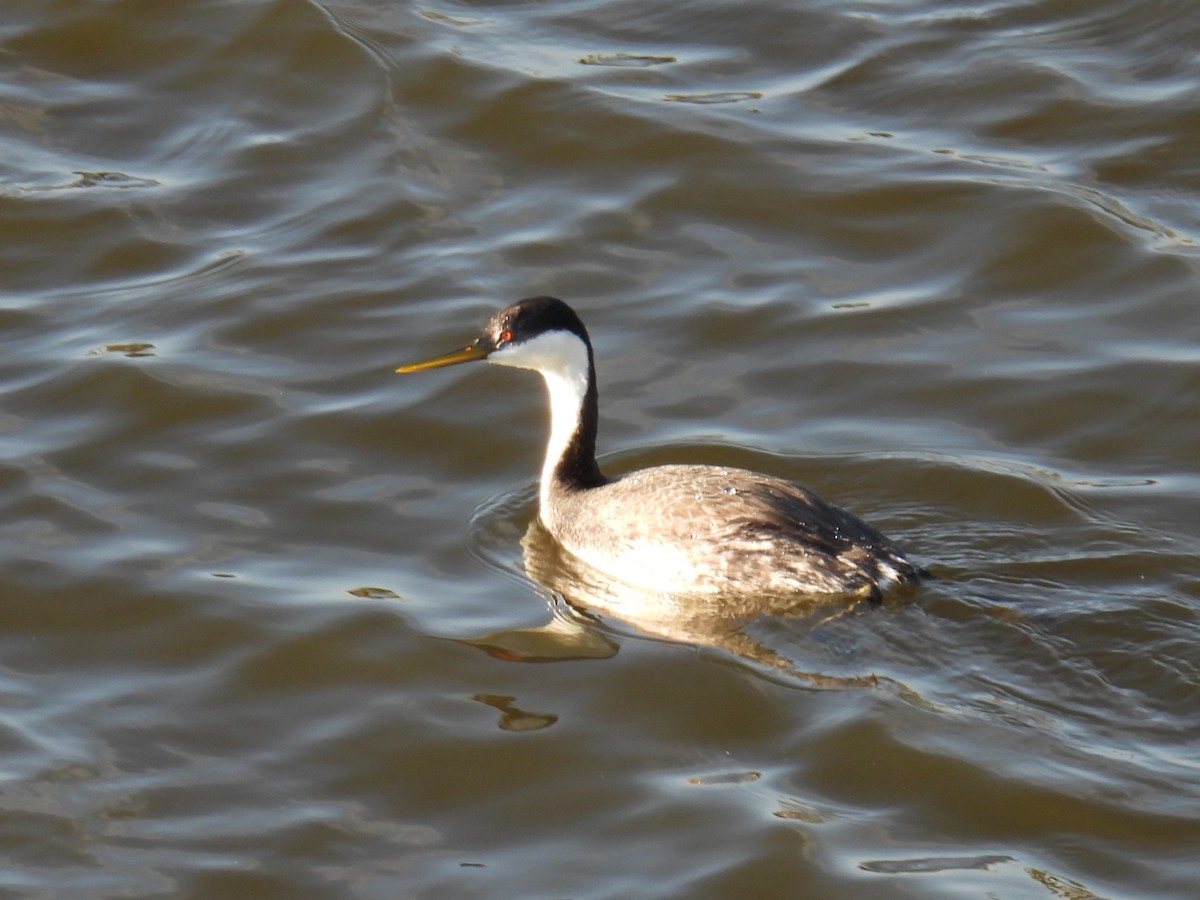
point(470, 353)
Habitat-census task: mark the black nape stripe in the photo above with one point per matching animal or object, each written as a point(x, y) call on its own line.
point(578, 468)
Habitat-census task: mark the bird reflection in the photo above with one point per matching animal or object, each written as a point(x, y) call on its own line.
point(701, 620)
point(512, 717)
point(563, 638)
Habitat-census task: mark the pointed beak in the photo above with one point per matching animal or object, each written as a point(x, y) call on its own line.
point(477, 350)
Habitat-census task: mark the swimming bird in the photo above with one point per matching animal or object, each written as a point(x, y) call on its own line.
point(689, 529)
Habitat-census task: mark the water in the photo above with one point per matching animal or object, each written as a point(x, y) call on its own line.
point(265, 627)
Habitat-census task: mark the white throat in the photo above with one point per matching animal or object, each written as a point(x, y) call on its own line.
point(562, 358)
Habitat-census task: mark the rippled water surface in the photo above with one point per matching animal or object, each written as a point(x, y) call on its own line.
point(266, 628)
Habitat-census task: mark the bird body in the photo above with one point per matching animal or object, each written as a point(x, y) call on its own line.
point(691, 529)
point(719, 530)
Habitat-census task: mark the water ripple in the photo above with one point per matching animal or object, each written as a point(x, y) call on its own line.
point(267, 627)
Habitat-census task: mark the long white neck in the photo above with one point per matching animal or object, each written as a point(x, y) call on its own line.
point(562, 358)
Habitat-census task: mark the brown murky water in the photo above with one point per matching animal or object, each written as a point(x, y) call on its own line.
point(265, 625)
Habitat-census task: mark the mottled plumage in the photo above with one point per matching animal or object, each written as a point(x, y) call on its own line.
point(711, 529)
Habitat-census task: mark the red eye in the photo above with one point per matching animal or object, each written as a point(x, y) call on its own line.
point(505, 336)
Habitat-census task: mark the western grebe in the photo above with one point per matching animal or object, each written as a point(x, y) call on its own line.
point(688, 529)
